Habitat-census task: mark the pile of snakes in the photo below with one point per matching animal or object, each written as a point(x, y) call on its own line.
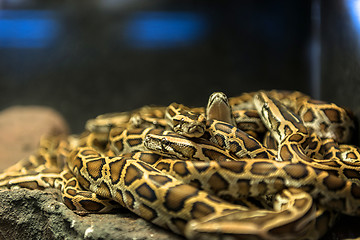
point(262, 165)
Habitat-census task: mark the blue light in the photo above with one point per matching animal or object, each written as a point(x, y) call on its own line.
point(27, 29)
point(165, 29)
point(354, 9)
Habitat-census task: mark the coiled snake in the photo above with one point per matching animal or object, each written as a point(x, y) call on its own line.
point(266, 165)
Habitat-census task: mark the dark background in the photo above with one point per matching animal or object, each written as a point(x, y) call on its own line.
point(91, 57)
point(100, 56)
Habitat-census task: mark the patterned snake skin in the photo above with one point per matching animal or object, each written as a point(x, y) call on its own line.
point(263, 165)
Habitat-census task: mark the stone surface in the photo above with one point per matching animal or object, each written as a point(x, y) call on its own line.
point(21, 128)
point(34, 214)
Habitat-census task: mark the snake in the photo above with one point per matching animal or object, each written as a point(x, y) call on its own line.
point(266, 165)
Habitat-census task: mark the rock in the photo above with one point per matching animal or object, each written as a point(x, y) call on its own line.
point(21, 128)
point(34, 214)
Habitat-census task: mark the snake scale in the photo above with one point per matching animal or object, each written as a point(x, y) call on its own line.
point(262, 165)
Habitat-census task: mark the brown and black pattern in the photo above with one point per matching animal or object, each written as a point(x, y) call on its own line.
point(337, 123)
point(259, 176)
point(279, 120)
point(293, 142)
point(177, 146)
point(150, 199)
point(249, 120)
point(105, 122)
point(232, 225)
point(184, 121)
point(148, 116)
point(236, 141)
point(233, 186)
point(130, 140)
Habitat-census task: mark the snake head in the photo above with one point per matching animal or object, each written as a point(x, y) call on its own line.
point(271, 120)
point(184, 121)
point(218, 108)
point(155, 142)
point(170, 145)
point(277, 118)
point(190, 126)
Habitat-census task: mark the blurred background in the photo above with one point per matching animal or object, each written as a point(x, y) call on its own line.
point(86, 58)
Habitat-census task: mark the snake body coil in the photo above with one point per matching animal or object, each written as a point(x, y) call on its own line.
point(267, 165)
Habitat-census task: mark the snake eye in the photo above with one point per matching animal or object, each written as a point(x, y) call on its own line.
point(164, 142)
